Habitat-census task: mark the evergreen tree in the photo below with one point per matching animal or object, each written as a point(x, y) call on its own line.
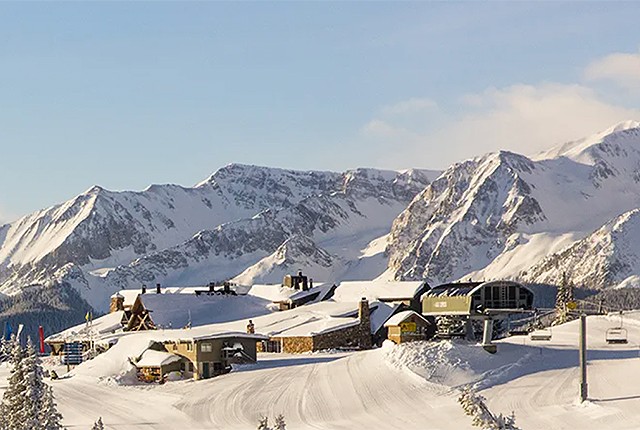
point(98, 425)
point(50, 418)
point(28, 402)
point(263, 424)
point(35, 387)
point(13, 400)
point(474, 405)
point(280, 424)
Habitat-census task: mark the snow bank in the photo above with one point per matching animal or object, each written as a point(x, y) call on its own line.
point(457, 363)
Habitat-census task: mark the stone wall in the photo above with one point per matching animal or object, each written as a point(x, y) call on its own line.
point(296, 345)
point(349, 337)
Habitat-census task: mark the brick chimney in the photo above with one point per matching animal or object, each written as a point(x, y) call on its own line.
point(117, 303)
point(364, 316)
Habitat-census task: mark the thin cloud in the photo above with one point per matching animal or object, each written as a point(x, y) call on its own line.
point(622, 69)
point(410, 106)
point(521, 118)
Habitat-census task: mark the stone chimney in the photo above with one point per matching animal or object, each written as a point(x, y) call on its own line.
point(251, 328)
point(364, 316)
point(158, 290)
point(117, 303)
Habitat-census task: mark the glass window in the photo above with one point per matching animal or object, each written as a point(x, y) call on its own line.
point(205, 347)
point(189, 346)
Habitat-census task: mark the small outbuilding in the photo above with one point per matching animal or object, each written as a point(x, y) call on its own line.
point(154, 365)
point(409, 326)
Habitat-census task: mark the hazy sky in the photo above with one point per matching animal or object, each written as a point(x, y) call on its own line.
point(127, 94)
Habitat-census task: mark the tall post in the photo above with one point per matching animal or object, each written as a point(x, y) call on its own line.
point(583, 358)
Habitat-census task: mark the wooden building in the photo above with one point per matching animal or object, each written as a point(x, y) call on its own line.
point(154, 365)
point(206, 356)
point(409, 326)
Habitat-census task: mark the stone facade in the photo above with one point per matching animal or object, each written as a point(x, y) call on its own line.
point(355, 336)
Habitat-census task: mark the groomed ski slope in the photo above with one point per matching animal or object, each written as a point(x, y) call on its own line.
point(406, 387)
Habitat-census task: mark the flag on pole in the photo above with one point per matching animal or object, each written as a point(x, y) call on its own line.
point(20, 327)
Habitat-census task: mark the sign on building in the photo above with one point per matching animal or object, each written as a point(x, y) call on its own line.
point(72, 353)
point(408, 327)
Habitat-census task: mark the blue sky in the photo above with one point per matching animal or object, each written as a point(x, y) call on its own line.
point(128, 94)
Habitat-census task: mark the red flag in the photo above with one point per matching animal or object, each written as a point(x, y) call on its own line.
point(41, 333)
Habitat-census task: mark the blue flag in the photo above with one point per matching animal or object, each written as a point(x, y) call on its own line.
point(8, 331)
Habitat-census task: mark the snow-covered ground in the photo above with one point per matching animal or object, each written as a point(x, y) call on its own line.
point(413, 386)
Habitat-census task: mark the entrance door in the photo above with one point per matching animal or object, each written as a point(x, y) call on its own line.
point(206, 371)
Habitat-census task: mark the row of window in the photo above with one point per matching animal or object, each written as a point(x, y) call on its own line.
point(204, 347)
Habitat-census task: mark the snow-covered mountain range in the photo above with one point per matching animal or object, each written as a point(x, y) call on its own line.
point(248, 220)
point(507, 215)
point(571, 209)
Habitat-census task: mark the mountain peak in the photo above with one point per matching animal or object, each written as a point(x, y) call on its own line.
point(622, 126)
point(583, 150)
point(96, 189)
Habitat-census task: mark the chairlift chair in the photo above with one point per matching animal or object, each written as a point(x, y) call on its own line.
point(616, 335)
point(541, 335)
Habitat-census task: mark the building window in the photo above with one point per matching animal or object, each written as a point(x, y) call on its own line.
point(189, 346)
point(205, 347)
point(190, 367)
point(272, 346)
point(175, 346)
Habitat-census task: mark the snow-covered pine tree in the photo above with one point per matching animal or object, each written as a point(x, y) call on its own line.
point(280, 424)
point(98, 425)
point(35, 388)
point(474, 405)
point(50, 418)
point(263, 424)
point(12, 409)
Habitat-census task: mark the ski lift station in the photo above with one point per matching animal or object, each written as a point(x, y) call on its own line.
point(457, 305)
point(476, 298)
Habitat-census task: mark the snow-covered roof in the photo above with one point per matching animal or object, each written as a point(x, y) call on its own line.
point(377, 290)
point(170, 310)
point(311, 319)
point(279, 293)
point(130, 296)
point(400, 317)
point(106, 324)
point(152, 358)
point(320, 290)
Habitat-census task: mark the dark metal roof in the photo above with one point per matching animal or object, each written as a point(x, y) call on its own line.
point(453, 289)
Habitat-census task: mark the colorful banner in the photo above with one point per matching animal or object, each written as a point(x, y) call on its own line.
point(41, 335)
